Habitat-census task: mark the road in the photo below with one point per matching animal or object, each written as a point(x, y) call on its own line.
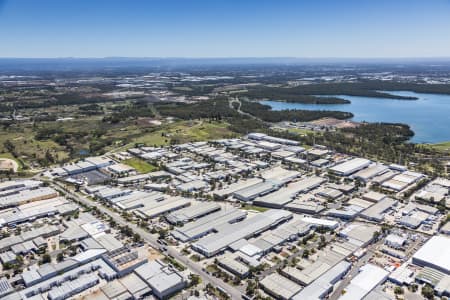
point(236, 100)
point(152, 241)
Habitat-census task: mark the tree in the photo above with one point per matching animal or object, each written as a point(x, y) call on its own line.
point(427, 291)
point(45, 259)
point(60, 257)
point(251, 287)
point(194, 279)
point(398, 290)
point(136, 238)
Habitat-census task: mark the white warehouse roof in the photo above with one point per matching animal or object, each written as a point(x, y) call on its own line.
point(431, 254)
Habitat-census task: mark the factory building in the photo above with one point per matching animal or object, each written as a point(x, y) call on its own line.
point(229, 233)
point(432, 255)
point(350, 166)
point(163, 280)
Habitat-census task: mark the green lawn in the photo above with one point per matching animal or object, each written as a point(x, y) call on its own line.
point(254, 207)
point(140, 165)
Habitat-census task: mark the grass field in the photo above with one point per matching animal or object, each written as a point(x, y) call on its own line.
point(183, 132)
point(444, 147)
point(140, 165)
point(254, 207)
point(91, 136)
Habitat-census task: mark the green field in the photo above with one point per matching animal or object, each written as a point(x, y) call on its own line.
point(444, 147)
point(254, 207)
point(68, 140)
point(140, 165)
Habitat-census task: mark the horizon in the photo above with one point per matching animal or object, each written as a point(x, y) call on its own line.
point(321, 29)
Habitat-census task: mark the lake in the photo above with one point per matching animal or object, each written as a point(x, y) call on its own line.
point(429, 116)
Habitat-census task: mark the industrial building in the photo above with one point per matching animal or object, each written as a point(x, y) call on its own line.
point(163, 280)
point(256, 190)
point(279, 287)
point(370, 172)
point(192, 212)
point(38, 209)
point(432, 255)
point(229, 233)
point(364, 282)
point(350, 166)
point(376, 212)
point(323, 285)
point(208, 224)
point(285, 195)
point(27, 195)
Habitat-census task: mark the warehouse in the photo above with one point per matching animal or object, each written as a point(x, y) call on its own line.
point(153, 209)
point(319, 163)
point(317, 153)
point(359, 234)
point(279, 175)
point(376, 212)
point(25, 196)
point(364, 282)
point(285, 195)
point(129, 180)
point(256, 190)
point(120, 169)
point(279, 287)
point(374, 196)
point(431, 254)
point(300, 206)
point(345, 212)
point(73, 287)
point(192, 212)
point(99, 161)
point(401, 181)
point(296, 161)
point(265, 137)
point(370, 172)
point(137, 199)
point(230, 233)
point(192, 186)
point(323, 285)
point(163, 280)
point(282, 154)
point(277, 199)
point(8, 257)
point(350, 166)
point(136, 286)
point(326, 261)
point(268, 145)
point(44, 231)
point(14, 186)
point(316, 222)
point(395, 241)
point(115, 290)
point(269, 240)
point(48, 276)
point(38, 209)
point(108, 193)
point(329, 193)
point(208, 224)
point(234, 187)
point(232, 265)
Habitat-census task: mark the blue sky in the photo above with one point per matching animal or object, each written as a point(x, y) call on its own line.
point(225, 28)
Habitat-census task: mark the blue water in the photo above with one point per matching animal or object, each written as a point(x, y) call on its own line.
point(429, 116)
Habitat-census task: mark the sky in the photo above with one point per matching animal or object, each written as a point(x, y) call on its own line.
point(225, 28)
